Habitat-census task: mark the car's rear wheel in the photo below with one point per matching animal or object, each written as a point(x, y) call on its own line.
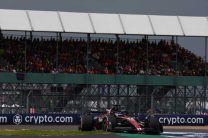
point(86, 123)
point(154, 127)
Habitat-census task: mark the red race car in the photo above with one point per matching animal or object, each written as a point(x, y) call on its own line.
point(114, 120)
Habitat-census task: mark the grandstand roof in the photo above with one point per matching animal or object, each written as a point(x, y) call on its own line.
point(54, 21)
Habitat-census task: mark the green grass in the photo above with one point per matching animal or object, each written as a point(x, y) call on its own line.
point(48, 132)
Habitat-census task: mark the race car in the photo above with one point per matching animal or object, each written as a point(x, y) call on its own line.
point(114, 120)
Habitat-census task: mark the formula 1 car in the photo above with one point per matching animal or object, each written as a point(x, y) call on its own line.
point(115, 121)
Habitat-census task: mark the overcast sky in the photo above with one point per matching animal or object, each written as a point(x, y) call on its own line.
point(162, 7)
point(153, 7)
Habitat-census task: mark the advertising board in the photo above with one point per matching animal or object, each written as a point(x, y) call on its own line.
point(57, 119)
point(74, 119)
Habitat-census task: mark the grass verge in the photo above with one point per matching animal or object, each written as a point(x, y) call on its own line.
point(48, 132)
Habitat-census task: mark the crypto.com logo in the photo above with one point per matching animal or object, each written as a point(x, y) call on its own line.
point(17, 119)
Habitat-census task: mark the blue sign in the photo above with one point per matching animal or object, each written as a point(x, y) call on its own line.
point(57, 119)
point(74, 119)
point(180, 120)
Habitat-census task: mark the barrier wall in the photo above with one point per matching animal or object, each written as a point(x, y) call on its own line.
point(74, 119)
point(33, 119)
point(186, 120)
point(63, 78)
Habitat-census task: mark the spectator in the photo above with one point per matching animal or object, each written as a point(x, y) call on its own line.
point(105, 57)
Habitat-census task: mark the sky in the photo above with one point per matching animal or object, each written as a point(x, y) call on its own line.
point(149, 7)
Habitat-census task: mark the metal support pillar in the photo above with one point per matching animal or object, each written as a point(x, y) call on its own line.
point(118, 94)
point(88, 45)
point(117, 53)
point(28, 102)
point(117, 64)
point(108, 96)
point(57, 50)
point(176, 43)
point(87, 60)
point(137, 105)
point(194, 108)
point(205, 78)
point(60, 37)
point(206, 99)
point(152, 97)
point(147, 71)
point(31, 39)
point(147, 54)
point(127, 100)
point(99, 96)
point(205, 49)
point(22, 94)
point(175, 100)
point(185, 99)
point(31, 36)
point(25, 65)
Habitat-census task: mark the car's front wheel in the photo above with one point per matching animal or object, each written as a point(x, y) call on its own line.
point(86, 123)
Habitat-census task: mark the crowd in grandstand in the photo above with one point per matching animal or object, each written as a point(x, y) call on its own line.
point(98, 56)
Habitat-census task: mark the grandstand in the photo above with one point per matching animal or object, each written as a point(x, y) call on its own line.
point(65, 73)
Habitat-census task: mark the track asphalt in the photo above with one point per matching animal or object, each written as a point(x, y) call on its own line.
point(174, 132)
point(125, 135)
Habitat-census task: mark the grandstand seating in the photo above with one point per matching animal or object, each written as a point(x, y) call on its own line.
point(41, 56)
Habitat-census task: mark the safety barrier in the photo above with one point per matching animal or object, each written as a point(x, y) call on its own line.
point(62, 78)
point(33, 119)
point(74, 119)
point(180, 120)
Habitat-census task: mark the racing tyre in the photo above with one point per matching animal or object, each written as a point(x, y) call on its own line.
point(154, 126)
point(86, 123)
point(109, 123)
point(161, 128)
